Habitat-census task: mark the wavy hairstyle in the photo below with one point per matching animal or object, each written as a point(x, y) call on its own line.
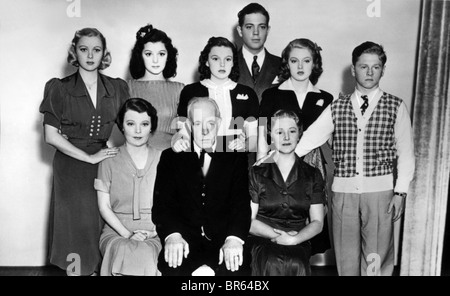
point(369, 47)
point(149, 34)
point(282, 113)
point(88, 32)
point(315, 52)
point(252, 8)
point(140, 106)
point(204, 70)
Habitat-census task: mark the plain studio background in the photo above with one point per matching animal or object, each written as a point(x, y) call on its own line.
point(35, 36)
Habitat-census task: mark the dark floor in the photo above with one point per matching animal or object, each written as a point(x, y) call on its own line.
point(329, 270)
point(54, 271)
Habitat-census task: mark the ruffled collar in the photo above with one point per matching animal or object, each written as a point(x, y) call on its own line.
point(228, 85)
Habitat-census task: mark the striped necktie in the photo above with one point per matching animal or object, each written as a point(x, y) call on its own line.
point(365, 104)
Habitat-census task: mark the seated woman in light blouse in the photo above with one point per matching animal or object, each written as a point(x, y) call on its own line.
point(287, 204)
point(129, 242)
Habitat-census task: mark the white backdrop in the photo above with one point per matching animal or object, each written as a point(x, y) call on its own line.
point(35, 35)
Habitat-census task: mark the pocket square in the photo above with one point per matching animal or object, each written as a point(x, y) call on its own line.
point(242, 97)
point(276, 80)
point(320, 102)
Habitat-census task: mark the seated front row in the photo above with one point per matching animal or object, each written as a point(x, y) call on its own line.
point(129, 243)
point(203, 206)
point(287, 204)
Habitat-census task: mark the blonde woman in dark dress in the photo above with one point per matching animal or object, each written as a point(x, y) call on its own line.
point(287, 204)
point(79, 114)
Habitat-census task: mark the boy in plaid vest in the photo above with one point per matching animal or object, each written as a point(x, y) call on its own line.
point(371, 131)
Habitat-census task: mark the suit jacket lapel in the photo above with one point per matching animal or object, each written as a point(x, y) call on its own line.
point(245, 76)
point(268, 70)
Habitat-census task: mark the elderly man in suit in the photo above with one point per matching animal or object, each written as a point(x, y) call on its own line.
point(258, 68)
point(201, 201)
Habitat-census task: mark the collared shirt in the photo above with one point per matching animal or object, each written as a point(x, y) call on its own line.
point(301, 96)
point(371, 96)
point(248, 57)
point(285, 204)
point(207, 160)
point(323, 128)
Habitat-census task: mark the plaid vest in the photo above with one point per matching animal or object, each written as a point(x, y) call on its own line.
point(379, 141)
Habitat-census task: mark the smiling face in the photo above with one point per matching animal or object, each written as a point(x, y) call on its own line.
point(154, 55)
point(89, 51)
point(254, 32)
point(368, 71)
point(300, 63)
point(220, 63)
point(285, 135)
point(204, 124)
point(136, 128)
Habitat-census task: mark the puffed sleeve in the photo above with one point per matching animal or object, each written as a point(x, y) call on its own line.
point(253, 185)
point(318, 190)
point(124, 91)
point(104, 176)
point(52, 104)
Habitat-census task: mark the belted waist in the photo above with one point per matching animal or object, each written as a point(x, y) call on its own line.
point(88, 142)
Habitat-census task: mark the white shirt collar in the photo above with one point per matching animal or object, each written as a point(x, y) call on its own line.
point(197, 149)
point(287, 85)
point(248, 57)
point(370, 95)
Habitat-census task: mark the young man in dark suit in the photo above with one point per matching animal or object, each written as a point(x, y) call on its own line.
point(258, 68)
point(201, 205)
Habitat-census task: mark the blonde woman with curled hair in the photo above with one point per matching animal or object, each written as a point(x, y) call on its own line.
point(79, 114)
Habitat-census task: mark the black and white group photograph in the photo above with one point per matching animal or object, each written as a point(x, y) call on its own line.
point(232, 144)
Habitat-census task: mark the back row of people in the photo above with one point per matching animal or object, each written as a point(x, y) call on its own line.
point(80, 111)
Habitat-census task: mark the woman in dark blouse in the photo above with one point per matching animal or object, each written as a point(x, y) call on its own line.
point(79, 114)
point(301, 67)
point(287, 204)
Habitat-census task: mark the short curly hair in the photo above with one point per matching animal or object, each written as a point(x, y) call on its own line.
point(140, 106)
point(149, 34)
point(315, 52)
point(204, 70)
point(88, 32)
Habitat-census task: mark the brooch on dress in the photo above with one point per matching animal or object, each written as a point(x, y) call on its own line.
point(320, 102)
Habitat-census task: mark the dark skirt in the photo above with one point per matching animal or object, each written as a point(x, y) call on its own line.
point(75, 222)
point(270, 259)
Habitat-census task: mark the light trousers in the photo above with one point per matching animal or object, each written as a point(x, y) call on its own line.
point(363, 233)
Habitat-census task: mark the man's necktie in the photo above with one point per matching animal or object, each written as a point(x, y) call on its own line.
point(365, 104)
point(202, 157)
point(255, 69)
